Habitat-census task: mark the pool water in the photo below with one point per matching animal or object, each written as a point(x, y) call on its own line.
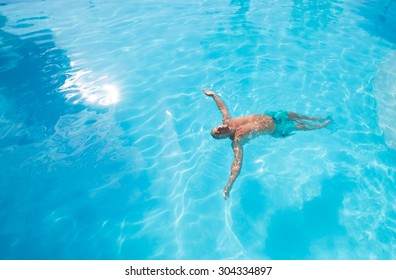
point(105, 150)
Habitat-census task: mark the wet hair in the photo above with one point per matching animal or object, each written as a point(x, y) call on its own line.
point(221, 132)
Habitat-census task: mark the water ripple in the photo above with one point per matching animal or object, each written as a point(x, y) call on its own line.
point(113, 133)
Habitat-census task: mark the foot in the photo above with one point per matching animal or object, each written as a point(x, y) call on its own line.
point(326, 123)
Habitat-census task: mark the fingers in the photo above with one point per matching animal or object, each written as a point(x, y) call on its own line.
point(226, 195)
point(208, 92)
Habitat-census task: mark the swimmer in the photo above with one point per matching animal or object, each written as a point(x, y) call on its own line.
point(242, 129)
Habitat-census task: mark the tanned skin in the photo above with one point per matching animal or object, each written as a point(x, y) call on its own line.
point(242, 129)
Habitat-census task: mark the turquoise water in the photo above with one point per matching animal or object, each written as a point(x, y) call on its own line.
point(105, 146)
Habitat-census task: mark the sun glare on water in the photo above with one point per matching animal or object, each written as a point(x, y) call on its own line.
point(83, 87)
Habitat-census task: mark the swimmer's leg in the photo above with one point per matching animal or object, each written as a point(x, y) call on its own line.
point(297, 117)
point(312, 126)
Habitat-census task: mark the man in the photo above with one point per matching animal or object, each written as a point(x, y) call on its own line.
point(242, 129)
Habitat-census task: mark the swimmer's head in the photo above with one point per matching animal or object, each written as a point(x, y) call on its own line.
point(221, 132)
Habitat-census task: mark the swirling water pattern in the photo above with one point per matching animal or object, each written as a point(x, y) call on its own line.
point(104, 130)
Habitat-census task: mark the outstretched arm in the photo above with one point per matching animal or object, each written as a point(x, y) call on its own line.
point(235, 168)
point(220, 104)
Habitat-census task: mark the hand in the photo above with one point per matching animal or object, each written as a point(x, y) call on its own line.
point(226, 194)
point(208, 92)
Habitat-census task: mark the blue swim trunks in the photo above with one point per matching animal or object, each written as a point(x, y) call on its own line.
point(284, 126)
